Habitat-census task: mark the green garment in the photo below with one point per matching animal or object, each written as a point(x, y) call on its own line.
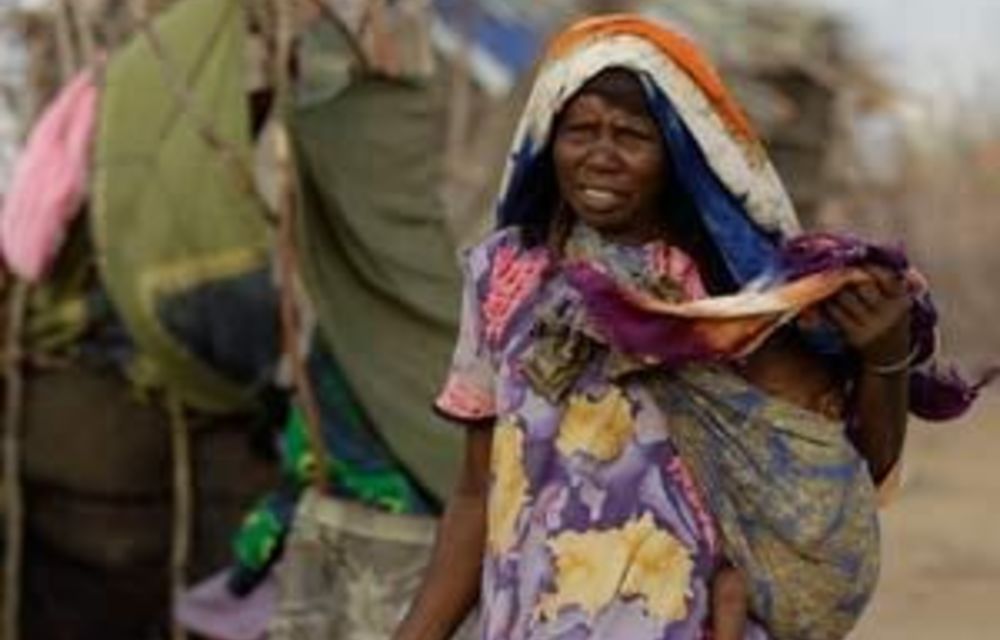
point(181, 239)
point(377, 258)
point(383, 487)
point(358, 469)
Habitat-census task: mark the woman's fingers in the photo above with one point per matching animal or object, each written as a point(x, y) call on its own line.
point(870, 294)
point(885, 293)
point(842, 316)
point(852, 302)
point(889, 283)
point(872, 314)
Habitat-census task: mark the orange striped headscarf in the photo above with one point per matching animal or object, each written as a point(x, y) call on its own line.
point(684, 75)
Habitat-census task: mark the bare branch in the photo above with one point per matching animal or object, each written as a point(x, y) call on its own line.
point(287, 245)
point(84, 36)
point(183, 506)
point(364, 65)
point(12, 482)
point(228, 154)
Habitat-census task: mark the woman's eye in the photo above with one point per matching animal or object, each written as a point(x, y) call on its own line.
point(576, 136)
point(580, 129)
point(636, 135)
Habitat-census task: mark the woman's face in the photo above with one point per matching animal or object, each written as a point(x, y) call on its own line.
point(609, 164)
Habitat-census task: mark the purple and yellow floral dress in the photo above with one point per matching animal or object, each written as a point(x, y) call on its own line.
point(595, 529)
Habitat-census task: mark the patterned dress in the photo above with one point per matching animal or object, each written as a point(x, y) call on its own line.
point(595, 529)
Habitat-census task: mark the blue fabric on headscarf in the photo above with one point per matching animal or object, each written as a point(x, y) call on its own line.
point(748, 251)
point(522, 202)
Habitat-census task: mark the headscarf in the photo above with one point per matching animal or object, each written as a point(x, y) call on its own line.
point(717, 158)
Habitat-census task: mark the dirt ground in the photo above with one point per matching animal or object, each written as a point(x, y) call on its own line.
point(941, 538)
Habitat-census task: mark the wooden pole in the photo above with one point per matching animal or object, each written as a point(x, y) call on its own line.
point(183, 509)
point(66, 50)
point(84, 36)
point(17, 299)
point(287, 246)
point(230, 157)
point(13, 491)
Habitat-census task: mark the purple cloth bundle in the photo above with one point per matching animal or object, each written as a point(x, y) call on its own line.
point(937, 393)
point(636, 324)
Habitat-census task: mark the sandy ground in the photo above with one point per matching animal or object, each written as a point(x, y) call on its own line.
point(941, 538)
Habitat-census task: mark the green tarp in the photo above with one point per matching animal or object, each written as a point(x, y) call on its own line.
point(377, 258)
point(171, 218)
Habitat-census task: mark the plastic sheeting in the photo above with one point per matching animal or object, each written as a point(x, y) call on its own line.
point(378, 261)
point(183, 246)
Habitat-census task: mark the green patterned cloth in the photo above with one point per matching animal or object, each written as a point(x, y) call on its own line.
point(359, 469)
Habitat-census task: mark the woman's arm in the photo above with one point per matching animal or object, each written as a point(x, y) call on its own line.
point(451, 585)
point(875, 318)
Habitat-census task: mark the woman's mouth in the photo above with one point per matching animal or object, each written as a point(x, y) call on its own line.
point(599, 199)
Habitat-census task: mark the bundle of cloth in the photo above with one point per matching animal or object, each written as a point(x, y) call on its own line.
point(812, 268)
point(795, 504)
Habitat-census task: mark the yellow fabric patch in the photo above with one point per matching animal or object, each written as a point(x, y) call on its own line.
point(637, 559)
point(510, 484)
point(660, 572)
point(600, 428)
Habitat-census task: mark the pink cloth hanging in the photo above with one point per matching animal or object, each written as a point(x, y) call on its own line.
point(49, 181)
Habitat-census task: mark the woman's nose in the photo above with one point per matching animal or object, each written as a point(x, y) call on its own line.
point(604, 156)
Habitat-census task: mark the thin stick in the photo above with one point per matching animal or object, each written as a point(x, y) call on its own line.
point(183, 506)
point(14, 399)
point(229, 155)
point(14, 402)
point(386, 53)
point(287, 246)
point(68, 59)
point(13, 491)
point(84, 37)
point(364, 65)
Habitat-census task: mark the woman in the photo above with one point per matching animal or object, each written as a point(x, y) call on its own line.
point(581, 508)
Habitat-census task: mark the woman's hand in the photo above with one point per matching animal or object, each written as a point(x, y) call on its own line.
point(875, 317)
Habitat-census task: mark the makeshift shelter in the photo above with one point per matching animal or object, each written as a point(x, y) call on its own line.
point(378, 259)
point(183, 243)
point(183, 288)
point(184, 298)
point(166, 278)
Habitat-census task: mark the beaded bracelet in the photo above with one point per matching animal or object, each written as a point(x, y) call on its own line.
point(903, 364)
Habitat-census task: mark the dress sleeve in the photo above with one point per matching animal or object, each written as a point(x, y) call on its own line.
point(469, 394)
